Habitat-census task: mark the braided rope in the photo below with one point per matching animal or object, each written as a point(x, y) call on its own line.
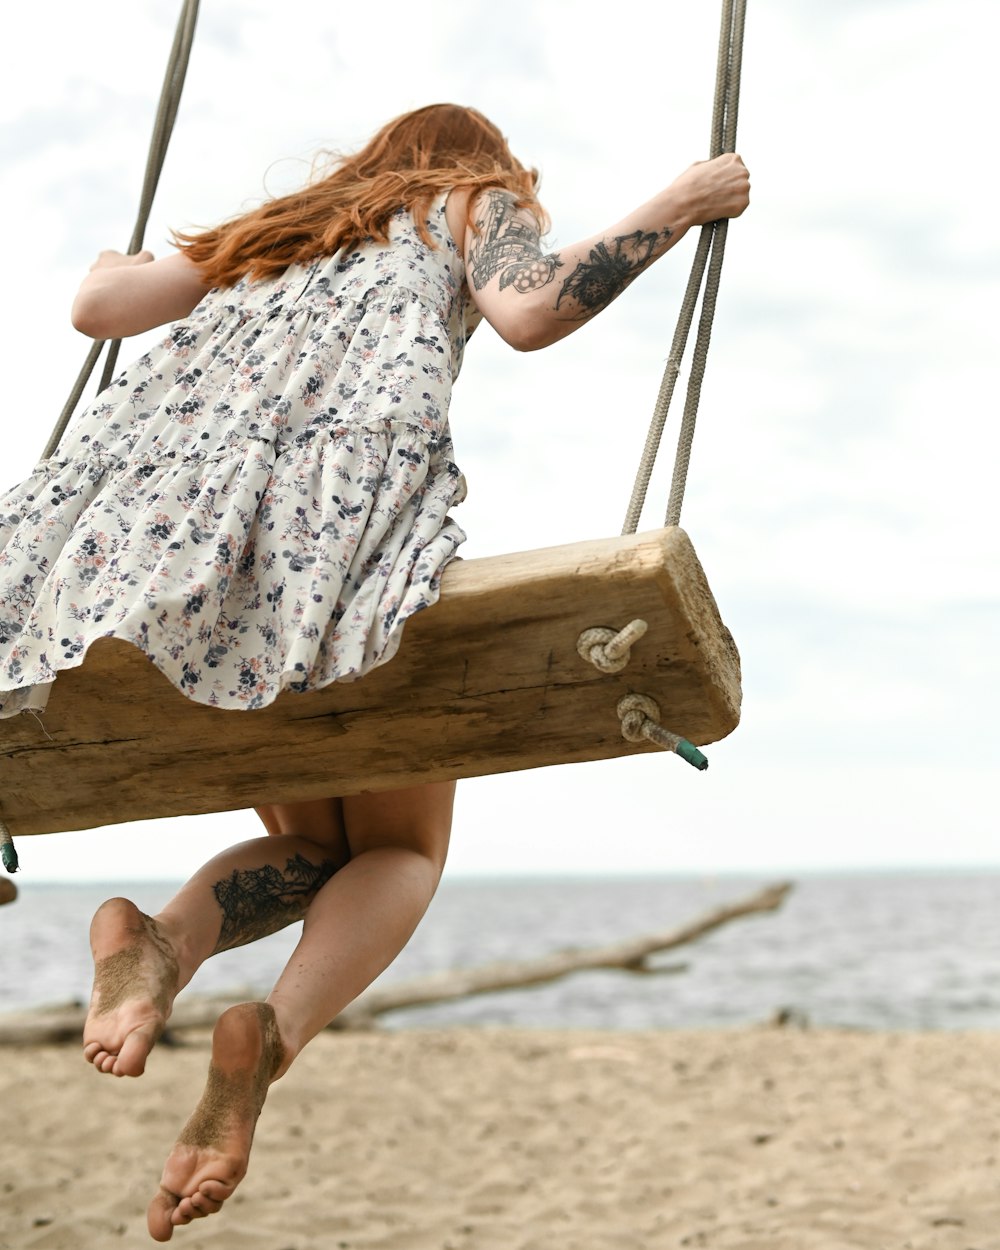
point(708, 257)
point(666, 391)
point(607, 650)
point(610, 651)
point(166, 115)
point(640, 719)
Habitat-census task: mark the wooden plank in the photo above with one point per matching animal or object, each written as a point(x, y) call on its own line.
point(488, 680)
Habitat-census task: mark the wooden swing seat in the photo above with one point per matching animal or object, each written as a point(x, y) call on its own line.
point(488, 680)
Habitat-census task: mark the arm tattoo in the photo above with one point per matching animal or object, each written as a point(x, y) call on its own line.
point(507, 245)
point(258, 901)
point(594, 283)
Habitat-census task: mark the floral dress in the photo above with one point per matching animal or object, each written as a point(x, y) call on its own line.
point(261, 501)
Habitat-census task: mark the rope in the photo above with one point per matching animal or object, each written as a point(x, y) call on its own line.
point(607, 650)
point(640, 718)
point(166, 115)
point(708, 256)
point(610, 651)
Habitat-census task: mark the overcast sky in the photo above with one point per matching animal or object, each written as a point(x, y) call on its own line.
point(841, 490)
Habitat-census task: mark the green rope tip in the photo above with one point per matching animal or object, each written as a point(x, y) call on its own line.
point(7, 852)
point(688, 751)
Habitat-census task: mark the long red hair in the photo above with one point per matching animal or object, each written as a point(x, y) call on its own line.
point(407, 164)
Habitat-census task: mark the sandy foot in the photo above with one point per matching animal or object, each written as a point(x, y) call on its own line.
point(135, 980)
point(211, 1155)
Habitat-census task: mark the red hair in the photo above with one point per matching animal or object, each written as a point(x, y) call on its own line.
point(407, 164)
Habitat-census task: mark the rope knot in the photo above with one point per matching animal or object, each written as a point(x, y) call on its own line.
point(635, 711)
point(607, 649)
point(640, 718)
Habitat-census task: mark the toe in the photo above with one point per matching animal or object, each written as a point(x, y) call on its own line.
point(218, 1190)
point(131, 1060)
point(183, 1213)
point(158, 1216)
point(203, 1204)
point(190, 1209)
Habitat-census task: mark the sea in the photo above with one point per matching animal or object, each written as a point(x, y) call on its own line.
point(885, 950)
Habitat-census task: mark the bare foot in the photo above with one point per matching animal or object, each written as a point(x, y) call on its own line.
point(135, 980)
point(211, 1155)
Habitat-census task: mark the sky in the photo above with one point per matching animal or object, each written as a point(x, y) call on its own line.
point(840, 493)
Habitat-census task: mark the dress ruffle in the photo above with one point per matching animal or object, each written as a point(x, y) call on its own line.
point(238, 576)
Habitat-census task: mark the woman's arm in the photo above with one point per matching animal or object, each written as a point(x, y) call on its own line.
point(533, 298)
point(124, 295)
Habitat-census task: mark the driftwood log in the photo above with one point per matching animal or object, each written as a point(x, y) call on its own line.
point(632, 956)
point(65, 1023)
point(488, 680)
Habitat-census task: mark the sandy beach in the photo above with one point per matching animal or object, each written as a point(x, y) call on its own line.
point(758, 1139)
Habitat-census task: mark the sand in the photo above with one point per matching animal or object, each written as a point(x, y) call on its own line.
point(763, 1139)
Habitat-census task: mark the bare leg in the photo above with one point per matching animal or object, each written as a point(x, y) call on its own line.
point(355, 926)
point(142, 962)
point(361, 920)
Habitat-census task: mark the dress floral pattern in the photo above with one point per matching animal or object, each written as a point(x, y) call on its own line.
point(261, 501)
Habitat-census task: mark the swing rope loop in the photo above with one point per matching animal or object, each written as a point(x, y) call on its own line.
point(707, 258)
point(607, 650)
point(640, 719)
point(166, 115)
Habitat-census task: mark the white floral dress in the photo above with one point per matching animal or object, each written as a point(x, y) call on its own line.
point(261, 501)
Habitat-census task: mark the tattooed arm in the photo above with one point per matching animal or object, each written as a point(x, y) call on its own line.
point(533, 298)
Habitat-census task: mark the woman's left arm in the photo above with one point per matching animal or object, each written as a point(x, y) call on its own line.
point(125, 295)
point(533, 298)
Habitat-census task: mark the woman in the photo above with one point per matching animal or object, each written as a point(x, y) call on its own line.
point(260, 503)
